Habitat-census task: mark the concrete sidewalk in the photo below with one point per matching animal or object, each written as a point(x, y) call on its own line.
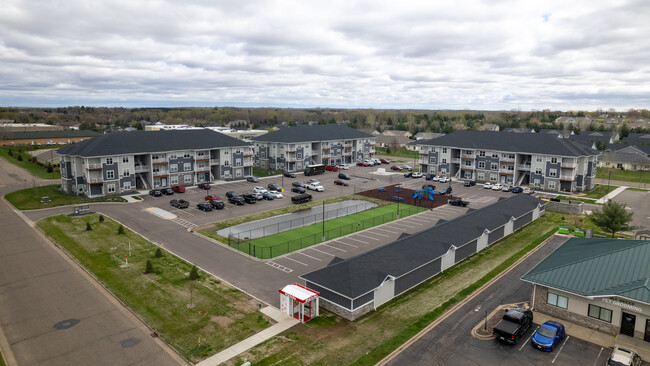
point(611, 194)
point(284, 322)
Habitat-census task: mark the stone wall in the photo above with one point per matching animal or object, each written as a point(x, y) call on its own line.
point(573, 208)
point(344, 313)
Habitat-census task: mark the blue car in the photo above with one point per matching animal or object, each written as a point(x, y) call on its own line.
point(517, 190)
point(268, 196)
point(547, 336)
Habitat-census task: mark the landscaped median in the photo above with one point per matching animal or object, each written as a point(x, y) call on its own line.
point(180, 310)
point(330, 340)
point(299, 238)
point(31, 198)
point(18, 156)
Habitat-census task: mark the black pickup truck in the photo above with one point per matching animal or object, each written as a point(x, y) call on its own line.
point(513, 325)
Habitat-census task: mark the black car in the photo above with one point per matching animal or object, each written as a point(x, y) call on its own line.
point(458, 202)
point(299, 184)
point(344, 176)
point(179, 203)
point(408, 174)
point(274, 187)
point(155, 193)
point(298, 189)
point(430, 176)
point(167, 191)
point(204, 185)
point(469, 183)
point(289, 175)
point(249, 198)
point(231, 194)
point(204, 206)
point(237, 199)
point(217, 204)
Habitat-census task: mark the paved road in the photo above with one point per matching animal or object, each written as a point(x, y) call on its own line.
point(53, 313)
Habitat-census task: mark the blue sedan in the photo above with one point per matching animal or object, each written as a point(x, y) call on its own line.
point(547, 336)
point(517, 190)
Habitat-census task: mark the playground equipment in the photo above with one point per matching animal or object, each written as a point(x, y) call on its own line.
point(426, 192)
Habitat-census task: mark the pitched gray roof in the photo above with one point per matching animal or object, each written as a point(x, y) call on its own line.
point(150, 142)
point(51, 134)
point(534, 143)
point(597, 267)
point(312, 133)
point(362, 273)
point(625, 157)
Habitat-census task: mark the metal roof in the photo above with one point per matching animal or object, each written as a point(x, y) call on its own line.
point(326, 132)
point(597, 267)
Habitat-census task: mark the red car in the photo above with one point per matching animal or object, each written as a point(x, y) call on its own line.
point(212, 197)
point(204, 185)
point(361, 163)
point(384, 161)
point(339, 182)
point(178, 189)
point(395, 167)
point(332, 168)
point(428, 186)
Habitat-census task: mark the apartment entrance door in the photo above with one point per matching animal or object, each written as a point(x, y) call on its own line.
point(627, 324)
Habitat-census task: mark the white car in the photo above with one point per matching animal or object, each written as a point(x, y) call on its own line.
point(344, 167)
point(276, 194)
point(315, 187)
point(369, 162)
point(436, 178)
point(416, 175)
point(259, 189)
point(376, 161)
point(313, 181)
point(624, 357)
point(444, 180)
point(487, 185)
point(529, 190)
point(258, 195)
point(497, 187)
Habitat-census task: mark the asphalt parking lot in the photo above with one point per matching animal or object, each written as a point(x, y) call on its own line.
point(639, 202)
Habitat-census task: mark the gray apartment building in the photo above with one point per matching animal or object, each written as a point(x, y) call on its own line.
point(124, 161)
point(293, 148)
point(538, 160)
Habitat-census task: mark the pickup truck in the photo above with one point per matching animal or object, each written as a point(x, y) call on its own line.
point(458, 202)
point(514, 324)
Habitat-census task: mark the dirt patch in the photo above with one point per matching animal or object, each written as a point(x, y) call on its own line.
point(395, 192)
point(223, 321)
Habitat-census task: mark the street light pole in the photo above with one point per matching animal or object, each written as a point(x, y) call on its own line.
point(398, 199)
point(608, 180)
point(323, 220)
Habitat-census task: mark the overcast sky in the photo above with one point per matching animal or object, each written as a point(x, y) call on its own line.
point(495, 55)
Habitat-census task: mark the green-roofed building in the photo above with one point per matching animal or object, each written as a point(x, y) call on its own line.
point(602, 284)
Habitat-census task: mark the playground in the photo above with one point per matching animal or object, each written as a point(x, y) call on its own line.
point(427, 196)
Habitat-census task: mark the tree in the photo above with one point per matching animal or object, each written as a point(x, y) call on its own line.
point(120, 230)
point(148, 267)
point(50, 168)
point(612, 218)
point(194, 273)
point(88, 227)
point(158, 253)
point(625, 131)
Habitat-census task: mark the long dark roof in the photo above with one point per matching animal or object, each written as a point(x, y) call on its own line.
point(150, 142)
point(362, 273)
point(535, 143)
point(312, 133)
point(51, 134)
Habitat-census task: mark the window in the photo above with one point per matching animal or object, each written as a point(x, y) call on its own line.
point(600, 313)
point(444, 150)
point(493, 177)
point(127, 186)
point(551, 184)
point(536, 182)
point(444, 161)
point(109, 161)
point(480, 176)
point(553, 160)
point(238, 162)
point(538, 170)
point(557, 300)
point(432, 160)
point(443, 170)
point(187, 167)
point(154, 157)
point(110, 174)
point(187, 154)
point(511, 156)
point(201, 165)
point(298, 156)
point(494, 166)
point(468, 163)
point(173, 179)
point(126, 173)
point(125, 159)
point(172, 155)
point(481, 165)
point(200, 153)
point(539, 158)
point(187, 179)
point(552, 172)
point(238, 173)
point(495, 155)
point(173, 168)
point(110, 188)
point(481, 154)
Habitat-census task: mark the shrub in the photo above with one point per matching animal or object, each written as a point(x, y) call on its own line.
point(158, 253)
point(149, 267)
point(88, 227)
point(20, 157)
point(33, 159)
point(101, 218)
point(50, 168)
point(120, 230)
point(11, 152)
point(194, 273)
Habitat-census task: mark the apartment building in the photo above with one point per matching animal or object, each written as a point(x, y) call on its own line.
point(538, 160)
point(123, 161)
point(293, 148)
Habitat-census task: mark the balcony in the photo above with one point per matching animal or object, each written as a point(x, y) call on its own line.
point(159, 163)
point(512, 159)
point(95, 180)
point(506, 171)
point(202, 158)
point(455, 160)
point(214, 162)
point(568, 166)
point(468, 157)
point(565, 177)
point(141, 168)
point(160, 173)
point(507, 161)
point(424, 153)
point(94, 167)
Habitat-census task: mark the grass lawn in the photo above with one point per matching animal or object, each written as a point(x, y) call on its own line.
point(402, 152)
point(291, 240)
point(30, 198)
point(637, 189)
point(573, 198)
point(600, 191)
point(221, 316)
point(623, 175)
point(331, 340)
point(27, 163)
point(258, 172)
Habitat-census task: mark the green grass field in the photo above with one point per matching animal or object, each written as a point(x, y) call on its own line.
point(221, 316)
point(600, 191)
point(258, 172)
point(30, 198)
point(292, 240)
point(402, 152)
point(26, 162)
point(623, 175)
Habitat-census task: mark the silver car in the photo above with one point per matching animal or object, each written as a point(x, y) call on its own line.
point(623, 357)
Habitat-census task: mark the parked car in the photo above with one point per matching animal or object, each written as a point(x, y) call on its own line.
point(622, 356)
point(344, 176)
point(274, 187)
point(236, 199)
point(528, 190)
point(362, 163)
point(289, 175)
point(268, 196)
point(299, 184)
point(203, 185)
point(429, 176)
point(514, 324)
point(344, 166)
point(332, 168)
point(251, 178)
point(231, 194)
point(487, 185)
point(444, 180)
point(547, 336)
point(212, 197)
point(259, 189)
point(497, 187)
point(406, 166)
point(258, 195)
point(339, 182)
point(436, 178)
point(167, 191)
point(396, 167)
point(298, 189)
point(517, 190)
point(384, 161)
point(217, 204)
point(458, 202)
point(315, 187)
point(416, 175)
point(204, 206)
point(155, 193)
point(277, 194)
point(408, 174)
point(506, 188)
point(178, 189)
point(301, 198)
point(249, 198)
point(469, 183)
point(376, 161)
point(369, 162)
point(315, 181)
point(179, 203)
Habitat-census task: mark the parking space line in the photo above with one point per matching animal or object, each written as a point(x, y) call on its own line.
point(320, 251)
point(401, 226)
point(343, 250)
point(291, 259)
point(382, 229)
point(558, 352)
point(598, 357)
point(279, 266)
point(340, 242)
point(528, 340)
point(367, 237)
point(351, 238)
point(374, 233)
point(307, 255)
point(417, 219)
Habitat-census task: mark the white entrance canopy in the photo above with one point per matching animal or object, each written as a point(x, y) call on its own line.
point(299, 302)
